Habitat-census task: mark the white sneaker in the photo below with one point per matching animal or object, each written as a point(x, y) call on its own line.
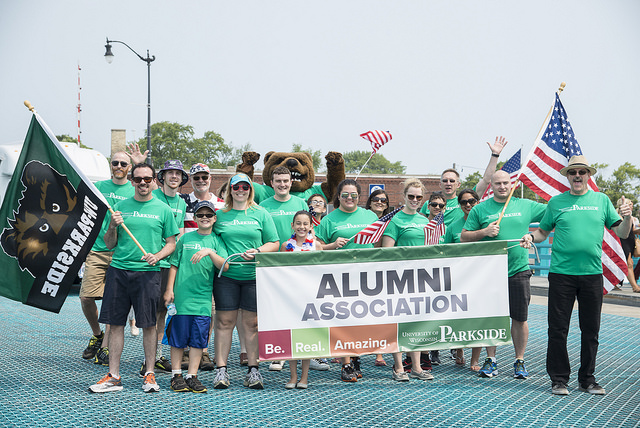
point(149, 384)
point(317, 364)
point(107, 384)
point(276, 366)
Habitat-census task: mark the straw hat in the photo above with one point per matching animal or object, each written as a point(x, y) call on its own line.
point(578, 161)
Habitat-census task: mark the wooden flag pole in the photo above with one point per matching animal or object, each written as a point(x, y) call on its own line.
point(507, 203)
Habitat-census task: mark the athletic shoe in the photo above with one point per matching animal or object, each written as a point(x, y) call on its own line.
point(423, 375)
point(406, 364)
point(519, 370)
point(107, 384)
point(205, 363)
point(318, 364)
point(184, 365)
point(425, 362)
point(102, 357)
point(400, 377)
point(222, 379)
point(143, 369)
point(149, 384)
point(593, 388)
point(489, 369)
point(95, 343)
point(559, 388)
point(453, 354)
point(276, 366)
point(356, 367)
point(163, 365)
point(347, 374)
point(435, 358)
point(178, 384)
point(254, 379)
point(195, 385)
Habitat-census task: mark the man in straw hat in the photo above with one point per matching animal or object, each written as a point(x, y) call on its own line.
point(579, 217)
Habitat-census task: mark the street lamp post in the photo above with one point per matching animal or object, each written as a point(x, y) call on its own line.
point(109, 57)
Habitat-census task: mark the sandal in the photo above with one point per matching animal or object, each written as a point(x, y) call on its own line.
point(475, 366)
point(380, 363)
point(460, 357)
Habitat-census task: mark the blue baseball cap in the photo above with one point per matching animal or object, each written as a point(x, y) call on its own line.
point(239, 178)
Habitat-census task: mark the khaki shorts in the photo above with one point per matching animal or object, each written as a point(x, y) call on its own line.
point(95, 268)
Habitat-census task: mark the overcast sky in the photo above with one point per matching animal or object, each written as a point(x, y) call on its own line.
point(444, 77)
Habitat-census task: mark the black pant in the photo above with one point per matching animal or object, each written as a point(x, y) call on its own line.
point(563, 290)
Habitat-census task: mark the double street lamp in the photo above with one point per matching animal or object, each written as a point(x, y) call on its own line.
point(109, 57)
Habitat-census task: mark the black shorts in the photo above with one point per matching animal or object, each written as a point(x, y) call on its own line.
point(520, 295)
point(164, 274)
point(233, 294)
point(124, 289)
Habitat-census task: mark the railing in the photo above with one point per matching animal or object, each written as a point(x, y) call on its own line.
point(541, 267)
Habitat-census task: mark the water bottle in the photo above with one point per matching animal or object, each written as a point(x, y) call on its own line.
point(171, 309)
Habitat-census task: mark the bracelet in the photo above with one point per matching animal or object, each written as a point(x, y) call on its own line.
point(258, 250)
point(495, 155)
point(532, 238)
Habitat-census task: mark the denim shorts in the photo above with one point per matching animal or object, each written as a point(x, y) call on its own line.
point(233, 294)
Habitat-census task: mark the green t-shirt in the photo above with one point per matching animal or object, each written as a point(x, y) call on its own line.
point(339, 224)
point(263, 192)
point(407, 229)
point(282, 214)
point(579, 223)
point(452, 211)
point(151, 222)
point(241, 230)
point(114, 194)
point(178, 207)
point(193, 287)
point(453, 231)
point(520, 213)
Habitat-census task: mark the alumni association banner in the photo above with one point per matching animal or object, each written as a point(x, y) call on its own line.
point(382, 300)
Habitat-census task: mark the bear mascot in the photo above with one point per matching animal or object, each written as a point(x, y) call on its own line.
point(302, 174)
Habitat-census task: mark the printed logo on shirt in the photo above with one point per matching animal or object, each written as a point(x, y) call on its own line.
point(139, 214)
point(496, 215)
point(579, 208)
point(114, 196)
point(351, 226)
point(239, 223)
point(193, 246)
point(281, 212)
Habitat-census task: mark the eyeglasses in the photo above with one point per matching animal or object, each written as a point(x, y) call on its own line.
point(346, 195)
point(575, 171)
point(448, 180)
point(416, 197)
point(200, 177)
point(138, 180)
point(435, 204)
point(379, 199)
point(318, 203)
point(469, 201)
point(237, 186)
point(207, 215)
point(121, 163)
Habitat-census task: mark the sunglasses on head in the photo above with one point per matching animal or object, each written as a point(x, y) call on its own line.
point(346, 195)
point(237, 186)
point(138, 180)
point(121, 163)
point(469, 201)
point(575, 171)
point(416, 197)
point(435, 204)
point(379, 199)
point(207, 215)
point(200, 177)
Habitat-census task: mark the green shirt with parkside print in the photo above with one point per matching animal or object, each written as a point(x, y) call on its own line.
point(282, 214)
point(452, 211)
point(262, 192)
point(151, 222)
point(178, 207)
point(453, 231)
point(407, 229)
point(520, 213)
point(193, 286)
point(579, 223)
point(114, 194)
point(241, 230)
point(339, 224)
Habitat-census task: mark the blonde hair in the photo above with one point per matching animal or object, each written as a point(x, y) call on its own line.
point(228, 199)
point(412, 182)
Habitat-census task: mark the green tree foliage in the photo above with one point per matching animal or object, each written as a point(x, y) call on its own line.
point(354, 161)
point(234, 156)
point(625, 181)
point(316, 155)
point(65, 138)
point(471, 180)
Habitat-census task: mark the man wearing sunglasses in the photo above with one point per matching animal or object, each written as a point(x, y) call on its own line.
point(114, 190)
point(133, 278)
point(481, 225)
point(579, 217)
point(450, 183)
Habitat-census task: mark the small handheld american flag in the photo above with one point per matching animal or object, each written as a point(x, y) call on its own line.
point(314, 219)
point(434, 230)
point(512, 166)
point(372, 233)
point(376, 138)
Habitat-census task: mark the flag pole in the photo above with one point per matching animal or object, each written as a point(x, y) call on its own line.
point(365, 164)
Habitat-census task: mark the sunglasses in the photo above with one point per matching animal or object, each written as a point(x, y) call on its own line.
point(448, 180)
point(138, 180)
point(318, 203)
point(379, 199)
point(121, 163)
point(575, 171)
point(237, 186)
point(435, 204)
point(469, 201)
point(203, 215)
point(346, 195)
point(416, 197)
point(200, 177)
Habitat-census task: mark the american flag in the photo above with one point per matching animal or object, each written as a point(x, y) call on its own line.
point(512, 166)
point(374, 231)
point(314, 220)
point(554, 146)
point(377, 138)
point(434, 230)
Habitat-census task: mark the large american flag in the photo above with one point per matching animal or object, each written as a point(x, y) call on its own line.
point(374, 231)
point(512, 166)
point(554, 146)
point(434, 230)
point(376, 138)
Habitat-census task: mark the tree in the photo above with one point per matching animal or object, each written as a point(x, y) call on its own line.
point(65, 138)
point(355, 160)
point(471, 180)
point(234, 156)
point(625, 181)
point(316, 155)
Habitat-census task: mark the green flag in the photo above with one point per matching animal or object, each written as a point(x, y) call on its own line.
point(50, 218)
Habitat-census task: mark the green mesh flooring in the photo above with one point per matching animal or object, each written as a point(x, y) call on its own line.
point(44, 380)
